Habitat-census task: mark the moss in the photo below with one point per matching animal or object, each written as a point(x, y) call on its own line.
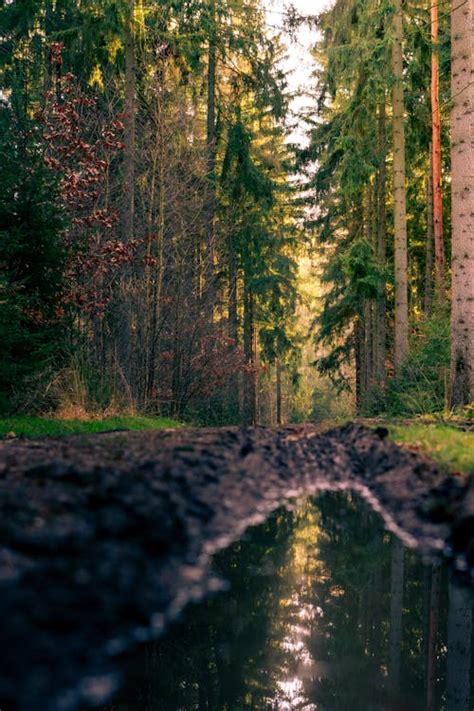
point(40, 426)
point(450, 447)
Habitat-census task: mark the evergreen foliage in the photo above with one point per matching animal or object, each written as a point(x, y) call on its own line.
point(31, 259)
point(348, 163)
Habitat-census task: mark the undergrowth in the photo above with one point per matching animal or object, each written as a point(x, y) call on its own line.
point(451, 448)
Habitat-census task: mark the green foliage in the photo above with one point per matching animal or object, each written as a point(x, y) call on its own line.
point(422, 384)
point(31, 259)
point(351, 147)
point(265, 236)
point(355, 277)
point(449, 446)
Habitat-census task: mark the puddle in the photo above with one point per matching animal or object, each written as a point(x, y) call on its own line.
point(324, 610)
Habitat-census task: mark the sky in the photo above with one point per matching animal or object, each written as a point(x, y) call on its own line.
point(299, 64)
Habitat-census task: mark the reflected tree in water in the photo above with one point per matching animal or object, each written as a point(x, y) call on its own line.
point(459, 648)
point(325, 610)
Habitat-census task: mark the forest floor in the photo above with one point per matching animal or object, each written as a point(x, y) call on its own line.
point(104, 538)
point(449, 444)
point(37, 426)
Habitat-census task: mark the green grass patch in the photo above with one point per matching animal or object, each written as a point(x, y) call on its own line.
point(449, 447)
point(41, 426)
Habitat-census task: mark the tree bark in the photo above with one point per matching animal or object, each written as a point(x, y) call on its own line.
point(128, 207)
point(380, 335)
point(235, 379)
point(124, 316)
point(157, 279)
point(428, 295)
point(233, 289)
point(399, 188)
point(278, 392)
point(436, 157)
point(211, 156)
point(250, 384)
point(359, 346)
point(368, 345)
point(462, 200)
point(154, 272)
point(369, 305)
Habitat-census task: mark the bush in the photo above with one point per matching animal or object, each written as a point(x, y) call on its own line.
point(421, 387)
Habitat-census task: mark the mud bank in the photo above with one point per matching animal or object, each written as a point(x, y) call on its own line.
point(104, 538)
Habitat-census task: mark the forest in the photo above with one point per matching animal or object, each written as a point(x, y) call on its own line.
point(246, 227)
point(169, 248)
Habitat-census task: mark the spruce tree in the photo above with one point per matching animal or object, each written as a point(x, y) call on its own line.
point(32, 259)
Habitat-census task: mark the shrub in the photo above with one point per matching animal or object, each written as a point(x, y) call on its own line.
point(422, 384)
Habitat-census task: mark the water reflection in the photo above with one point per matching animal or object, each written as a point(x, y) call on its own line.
point(325, 611)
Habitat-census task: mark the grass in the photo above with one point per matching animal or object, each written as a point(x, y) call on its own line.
point(40, 426)
point(449, 447)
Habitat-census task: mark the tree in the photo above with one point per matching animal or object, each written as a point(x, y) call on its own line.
point(436, 157)
point(32, 261)
point(459, 648)
point(396, 609)
point(261, 266)
point(462, 201)
point(399, 191)
point(432, 636)
point(350, 147)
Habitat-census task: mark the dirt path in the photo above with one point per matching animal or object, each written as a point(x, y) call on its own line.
point(105, 537)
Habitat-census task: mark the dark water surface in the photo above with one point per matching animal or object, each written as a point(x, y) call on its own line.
point(324, 611)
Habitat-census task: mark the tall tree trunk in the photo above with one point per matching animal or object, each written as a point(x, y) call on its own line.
point(123, 327)
point(396, 607)
point(428, 295)
point(431, 658)
point(211, 156)
point(459, 648)
point(250, 384)
point(399, 188)
point(462, 189)
point(157, 280)
point(369, 303)
point(154, 271)
point(381, 251)
point(235, 379)
point(368, 345)
point(128, 205)
point(359, 347)
point(233, 287)
point(436, 156)
point(278, 392)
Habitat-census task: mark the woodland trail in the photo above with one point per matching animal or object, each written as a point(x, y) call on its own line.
point(104, 538)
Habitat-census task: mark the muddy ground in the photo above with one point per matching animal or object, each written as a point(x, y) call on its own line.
point(103, 538)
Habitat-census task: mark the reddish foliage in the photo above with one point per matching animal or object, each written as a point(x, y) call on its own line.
point(79, 147)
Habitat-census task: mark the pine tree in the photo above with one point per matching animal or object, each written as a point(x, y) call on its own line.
point(462, 188)
point(399, 190)
point(436, 158)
